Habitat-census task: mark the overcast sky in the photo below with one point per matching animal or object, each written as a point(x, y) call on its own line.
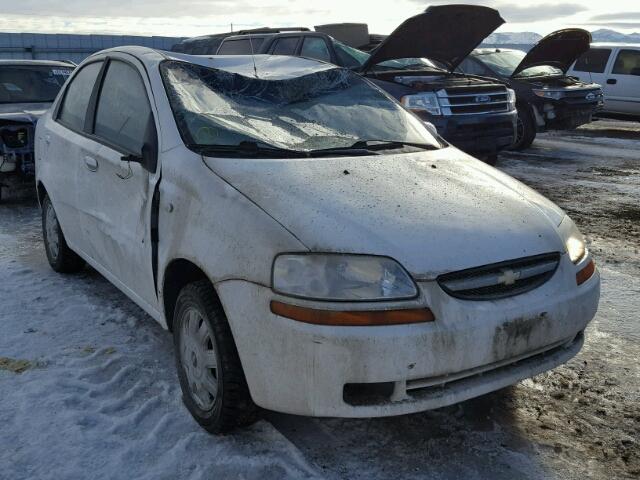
point(198, 17)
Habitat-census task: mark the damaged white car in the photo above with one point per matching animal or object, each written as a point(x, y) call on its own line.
point(313, 248)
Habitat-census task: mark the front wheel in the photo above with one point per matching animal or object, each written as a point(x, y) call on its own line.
point(525, 129)
point(214, 388)
point(61, 258)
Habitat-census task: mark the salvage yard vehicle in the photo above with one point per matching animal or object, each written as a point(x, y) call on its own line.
point(27, 88)
point(314, 249)
point(615, 66)
point(475, 114)
point(547, 99)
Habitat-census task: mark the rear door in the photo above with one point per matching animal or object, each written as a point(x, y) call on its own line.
point(117, 193)
point(622, 84)
point(591, 65)
point(65, 144)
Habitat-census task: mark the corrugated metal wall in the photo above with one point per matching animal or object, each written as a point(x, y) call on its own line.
point(71, 47)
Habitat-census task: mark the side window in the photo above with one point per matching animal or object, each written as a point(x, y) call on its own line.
point(76, 98)
point(594, 61)
point(123, 108)
point(627, 63)
point(240, 47)
point(315, 47)
point(472, 67)
point(285, 46)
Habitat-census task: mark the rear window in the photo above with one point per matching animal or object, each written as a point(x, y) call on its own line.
point(594, 61)
point(31, 83)
point(76, 98)
point(315, 47)
point(286, 46)
point(627, 63)
point(241, 46)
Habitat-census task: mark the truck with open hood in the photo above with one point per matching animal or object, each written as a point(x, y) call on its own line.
point(416, 65)
point(547, 98)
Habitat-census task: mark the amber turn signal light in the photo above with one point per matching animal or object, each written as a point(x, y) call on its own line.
point(352, 318)
point(586, 273)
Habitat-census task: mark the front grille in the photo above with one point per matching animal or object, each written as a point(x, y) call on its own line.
point(473, 100)
point(500, 280)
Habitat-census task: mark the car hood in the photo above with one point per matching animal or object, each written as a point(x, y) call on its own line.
point(558, 49)
point(23, 112)
point(434, 212)
point(445, 33)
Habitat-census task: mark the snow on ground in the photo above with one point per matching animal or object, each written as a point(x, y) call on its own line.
point(88, 387)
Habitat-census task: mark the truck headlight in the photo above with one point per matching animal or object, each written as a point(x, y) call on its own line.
point(341, 277)
point(552, 94)
point(511, 99)
point(422, 102)
point(573, 239)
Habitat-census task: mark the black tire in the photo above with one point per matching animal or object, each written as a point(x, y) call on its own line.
point(232, 405)
point(525, 129)
point(61, 258)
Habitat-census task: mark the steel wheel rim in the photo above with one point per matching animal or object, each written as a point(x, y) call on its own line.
point(199, 359)
point(52, 228)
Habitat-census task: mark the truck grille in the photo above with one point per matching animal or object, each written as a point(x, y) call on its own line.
point(473, 100)
point(500, 280)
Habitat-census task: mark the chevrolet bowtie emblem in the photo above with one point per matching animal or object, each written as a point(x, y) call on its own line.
point(508, 277)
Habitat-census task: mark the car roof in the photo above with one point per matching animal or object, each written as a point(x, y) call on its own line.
point(36, 62)
point(615, 44)
point(270, 67)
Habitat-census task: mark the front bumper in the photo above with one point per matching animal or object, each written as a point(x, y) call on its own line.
point(566, 114)
point(471, 349)
point(478, 135)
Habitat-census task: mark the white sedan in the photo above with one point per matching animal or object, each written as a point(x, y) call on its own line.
point(313, 248)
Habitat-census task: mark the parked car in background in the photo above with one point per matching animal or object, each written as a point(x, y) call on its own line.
point(475, 114)
point(616, 67)
point(547, 98)
point(27, 88)
point(313, 248)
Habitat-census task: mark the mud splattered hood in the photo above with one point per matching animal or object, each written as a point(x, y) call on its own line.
point(434, 211)
point(23, 112)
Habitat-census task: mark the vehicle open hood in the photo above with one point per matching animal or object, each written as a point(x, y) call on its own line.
point(434, 211)
point(558, 49)
point(446, 33)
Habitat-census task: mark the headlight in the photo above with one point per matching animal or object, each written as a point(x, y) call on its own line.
point(511, 99)
point(341, 277)
point(573, 239)
point(552, 94)
point(422, 102)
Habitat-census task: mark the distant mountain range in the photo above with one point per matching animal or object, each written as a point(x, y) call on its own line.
point(530, 38)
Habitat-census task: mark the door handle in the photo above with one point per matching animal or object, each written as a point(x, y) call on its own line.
point(91, 163)
point(612, 81)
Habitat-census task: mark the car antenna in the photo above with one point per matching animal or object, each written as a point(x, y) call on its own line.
point(253, 58)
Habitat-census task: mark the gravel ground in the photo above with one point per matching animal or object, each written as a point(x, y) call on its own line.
point(88, 385)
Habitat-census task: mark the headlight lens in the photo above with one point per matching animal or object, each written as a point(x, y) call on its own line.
point(573, 239)
point(422, 102)
point(341, 277)
point(511, 99)
point(553, 94)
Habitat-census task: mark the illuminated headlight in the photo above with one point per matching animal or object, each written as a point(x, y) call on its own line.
point(422, 102)
point(552, 94)
point(573, 239)
point(511, 99)
point(341, 277)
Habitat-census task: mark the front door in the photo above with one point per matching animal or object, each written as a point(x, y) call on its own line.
point(622, 85)
point(118, 193)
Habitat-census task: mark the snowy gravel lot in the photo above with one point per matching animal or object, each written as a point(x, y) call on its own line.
point(88, 388)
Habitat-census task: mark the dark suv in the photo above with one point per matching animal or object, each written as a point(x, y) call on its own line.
point(415, 64)
point(547, 99)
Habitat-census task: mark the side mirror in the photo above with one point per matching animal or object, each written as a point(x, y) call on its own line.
point(148, 156)
point(432, 129)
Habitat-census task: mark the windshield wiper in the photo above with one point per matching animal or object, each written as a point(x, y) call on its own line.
point(247, 149)
point(367, 147)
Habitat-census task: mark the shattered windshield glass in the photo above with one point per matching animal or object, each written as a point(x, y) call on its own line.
point(505, 62)
point(327, 109)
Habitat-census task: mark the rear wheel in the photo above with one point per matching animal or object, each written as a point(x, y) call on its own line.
point(214, 388)
point(61, 258)
point(525, 129)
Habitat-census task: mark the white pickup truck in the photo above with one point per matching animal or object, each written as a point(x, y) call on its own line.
point(615, 66)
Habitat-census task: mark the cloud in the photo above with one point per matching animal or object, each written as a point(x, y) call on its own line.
point(623, 25)
point(617, 16)
point(521, 14)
